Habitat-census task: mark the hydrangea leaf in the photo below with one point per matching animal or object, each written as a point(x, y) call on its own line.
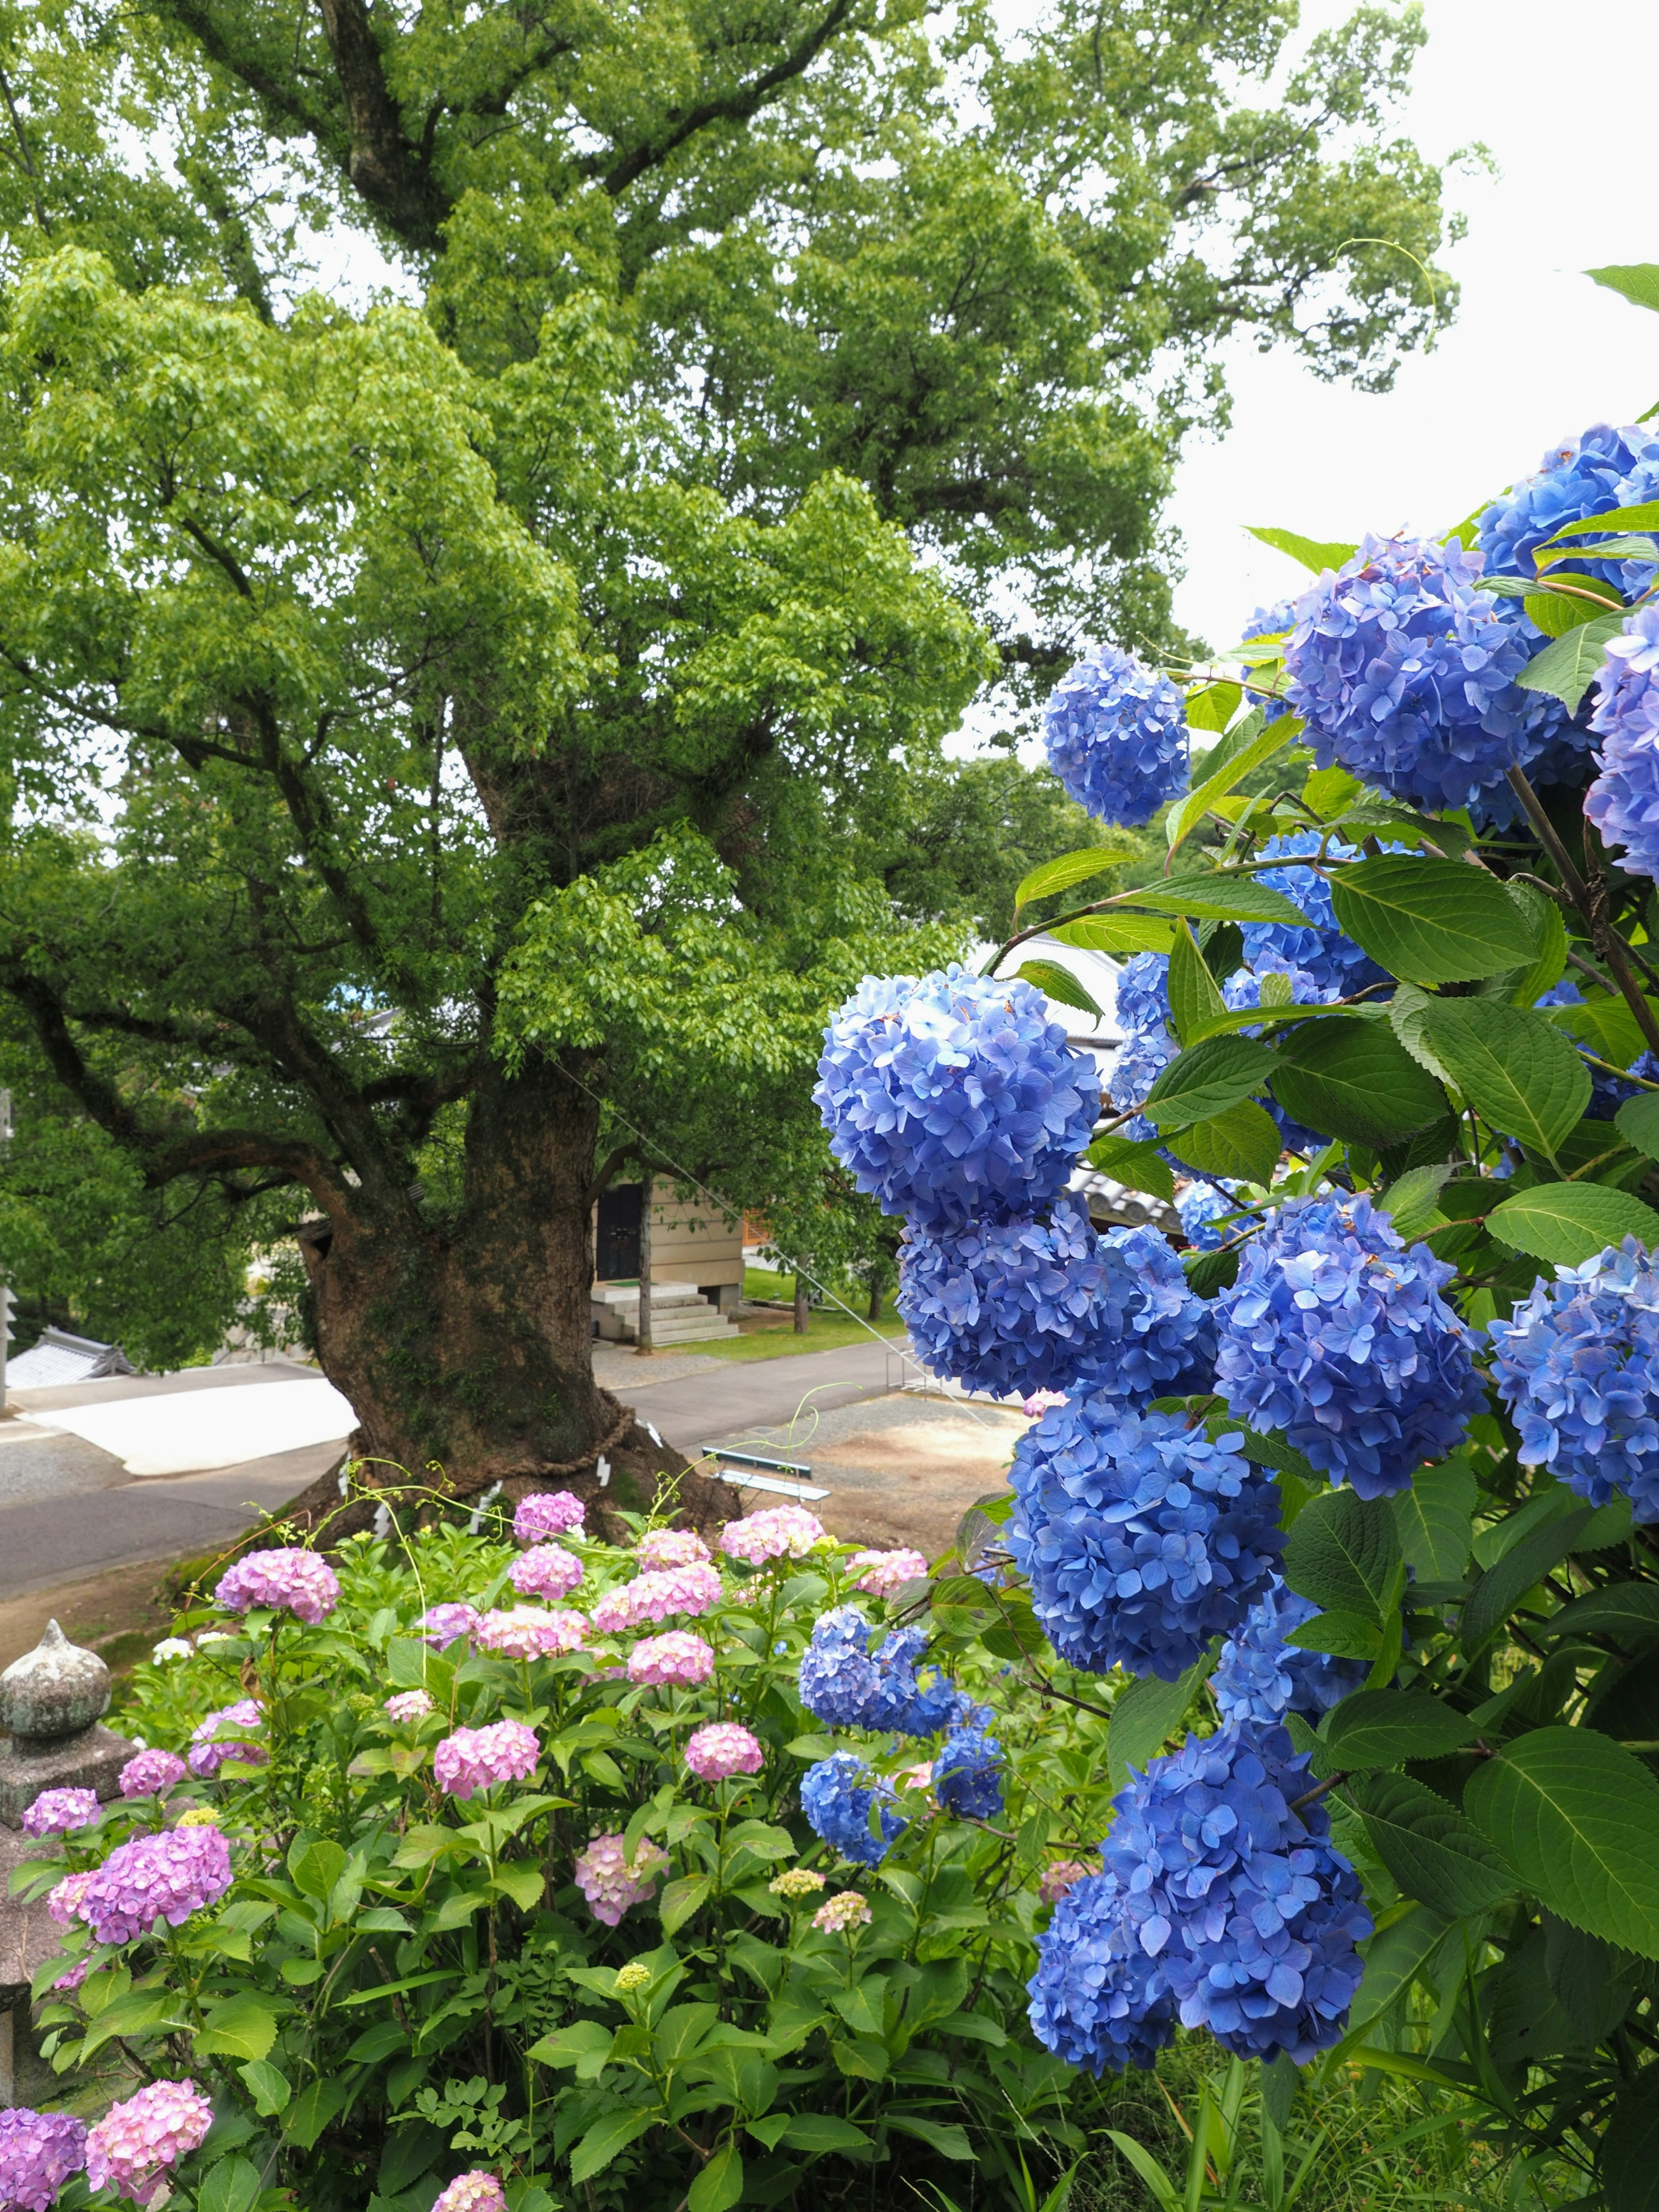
point(1195, 1001)
point(1521, 1075)
point(1217, 895)
point(608, 2135)
point(1426, 921)
point(1060, 875)
point(1343, 1552)
point(1568, 1222)
point(1212, 706)
point(1226, 775)
point(1116, 934)
point(1146, 1716)
point(1549, 936)
point(1411, 1201)
point(1385, 1728)
point(719, 2184)
point(1211, 1076)
point(1606, 1025)
point(1394, 1958)
point(1057, 983)
point(1136, 1166)
point(1575, 1815)
point(1502, 1586)
point(1629, 1612)
point(1644, 515)
point(1557, 613)
point(1355, 1080)
point(242, 2027)
point(1430, 1849)
point(1628, 2168)
point(1635, 281)
point(1567, 668)
point(1242, 1143)
point(1339, 1636)
point(1637, 1122)
point(1436, 1519)
point(1317, 554)
point(1210, 1273)
point(1330, 792)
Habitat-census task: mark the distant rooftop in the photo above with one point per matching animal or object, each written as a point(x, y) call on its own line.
point(56, 1357)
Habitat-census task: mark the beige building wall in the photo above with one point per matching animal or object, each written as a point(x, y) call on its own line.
point(691, 1243)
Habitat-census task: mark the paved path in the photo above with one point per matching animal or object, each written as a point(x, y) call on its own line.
point(758, 1394)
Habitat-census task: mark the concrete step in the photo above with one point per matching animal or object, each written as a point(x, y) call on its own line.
point(678, 1316)
point(628, 1294)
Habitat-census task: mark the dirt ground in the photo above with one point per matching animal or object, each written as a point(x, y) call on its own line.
point(118, 1614)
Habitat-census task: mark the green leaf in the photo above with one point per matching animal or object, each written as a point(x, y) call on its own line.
point(410, 2150)
point(1427, 920)
point(1606, 1025)
point(231, 2185)
point(1628, 2162)
point(1393, 1959)
point(1209, 1273)
point(584, 2043)
point(1576, 1816)
point(1315, 553)
point(1212, 706)
point(1057, 983)
point(1569, 1222)
point(374, 2044)
point(242, 2027)
point(1644, 516)
point(1136, 1166)
point(1330, 792)
point(1385, 1728)
point(1342, 1552)
point(1355, 1080)
point(1116, 934)
point(1556, 613)
point(522, 1880)
point(1502, 1586)
point(614, 2132)
point(1637, 1122)
point(315, 1866)
point(1635, 281)
point(1429, 1848)
point(313, 2109)
point(1411, 1201)
point(1206, 1079)
point(1217, 895)
point(719, 2184)
point(1070, 868)
point(1519, 1075)
point(1567, 668)
point(1629, 1612)
point(1145, 1716)
point(1226, 776)
point(1342, 1635)
point(946, 2136)
point(270, 2088)
point(1194, 999)
point(1241, 1143)
point(1549, 938)
point(819, 2134)
point(681, 1898)
point(1435, 1518)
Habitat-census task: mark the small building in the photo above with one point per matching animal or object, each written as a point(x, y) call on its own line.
point(696, 1265)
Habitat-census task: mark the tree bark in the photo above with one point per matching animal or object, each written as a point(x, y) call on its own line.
point(643, 1339)
point(801, 1323)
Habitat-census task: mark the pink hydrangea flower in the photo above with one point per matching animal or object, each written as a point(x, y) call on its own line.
point(679, 1656)
point(848, 1908)
point(73, 1979)
point(547, 1513)
point(473, 1758)
point(609, 1884)
point(1039, 1402)
point(443, 1625)
point(1061, 1875)
point(671, 1547)
point(60, 1811)
point(531, 1632)
point(881, 1573)
point(150, 1878)
point(64, 1904)
point(782, 1532)
point(548, 1570)
point(211, 1745)
point(38, 2152)
point(301, 1582)
point(723, 1748)
point(407, 1705)
point(476, 2191)
point(152, 1773)
point(655, 1595)
point(134, 2143)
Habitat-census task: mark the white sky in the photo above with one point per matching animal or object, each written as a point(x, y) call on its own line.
point(1537, 351)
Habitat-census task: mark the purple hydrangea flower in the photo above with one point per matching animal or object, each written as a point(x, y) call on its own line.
point(547, 1513)
point(954, 1097)
point(132, 2148)
point(474, 2191)
point(1261, 1677)
point(836, 1795)
point(152, 1774)
point(1404, 674)
point(441, 1625)
point(1605, 469)
point(1336, 1334)
point(1623, 802)
point(474, 1758)
point(1578, 1365)
point(299, 1582)
point(968, 1772)
point(1140, 1538)
point(1115, 735)
point(61, 1812)
point(149, 1878)
point(212, 1743)
point(611, 1881)
point(1250, 1916)
point(38, 2152)
point(1098, 2000)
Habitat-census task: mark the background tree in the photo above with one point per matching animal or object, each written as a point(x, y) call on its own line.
point(771, 382)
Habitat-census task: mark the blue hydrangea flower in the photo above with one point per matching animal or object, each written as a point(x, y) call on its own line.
point(1098, 2000)
point(1250, 1917)
point(1115, 735)
point(1149, 1039)
point(906, 1702)
point(1623, 802)
point(1608, 1092)
point(1140, 1539)
point(1261, 1677)
point(1201, 1206)
point(836, 1795)
point(1269, 621)
point(1011, 1308)
point(1153, 1338)
point(968, 1772)
point(954, 1097)
point(1336, 1333)
point(1404, 674)
point(1335, 962)
point(1578, 1365)
point(841, 1681)
point(1604, 468)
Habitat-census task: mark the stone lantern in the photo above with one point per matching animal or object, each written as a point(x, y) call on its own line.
point(52, 1701)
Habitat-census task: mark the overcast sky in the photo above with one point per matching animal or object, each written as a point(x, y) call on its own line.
point(1537, 351)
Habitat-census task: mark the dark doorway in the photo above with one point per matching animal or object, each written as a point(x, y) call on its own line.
point(616, 1241)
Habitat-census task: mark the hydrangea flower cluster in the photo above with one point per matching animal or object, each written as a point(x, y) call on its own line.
point(149, 1878)
point(678, 1656)
point(1261, 1677)
point(1201, 1206)
point(547, 1513)
point(611, 1883)
point(656, 1594)
point(838, 1915)
point(1153, 1337)
point(1578, 1365)
point(546, 1571)
point(1243, 989)
point(212, 1743)
point(1336, 963)
point(474, 2191)
point(1276, 621)
point(843, 1683)
point(1604, 468)
point(441, 1625)
point(720, 1749)
point(1335, 1332)
point(635, 1975)
point(884, 1574)
point(1098, 2001)
point(1140, 1538)
point(299, 1582)
point(836, 1795)
point(38, 2152)
point(782, 1532)
point(1623, 802)
point(967, 1776)
point(1149, 1043)
point(796, 1882)
point(1404, 673)
point(473, 1758)
point(671, 1547)
point(61, 1812)
point(529, 1631)
point(954, 1095)
point(136, 2143)
point(152, 1773)
point(1000, 1306)
point(1115, 735)
point(64, 1904)
point(405, 1705)
point(171, 1648)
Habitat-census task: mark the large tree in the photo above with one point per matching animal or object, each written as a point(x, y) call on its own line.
point(440, 736)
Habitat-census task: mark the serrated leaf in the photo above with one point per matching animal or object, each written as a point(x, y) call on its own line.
point(720, 2183)
point(231, 2186)
point(270, 2087)
point(1505, 1583)
point(1568, 1222)
point(1136, 1166)
point(681, 1898)
point(1406, 1011)
point(1435, 1519)
point(1430, 1849)
point(1628, 2164)
point(1330, 792)
point(1206, 1079)
point(1208, 1274)
point(1116, 934)
point(1570, 664)
point(239, 2027)
point(1521, 1075)
point(1194, 999)
point(1315, 553)
point(608, 2135)
point(1056, 983)
point(1223, 776)
point(1635, 281)
point(1339, 1635)
point(1549, 941)
point(1342, 1554)
point(1643, 516)
point(1385, 1728)
point(1216, 894)
point(1212, 706)
point(1060, 874)
point(1146, 1715)
point(1629, 1612)
point(1355, 1080)
point(1425, 921)
point(1637, 1122)
point(1411, 1201)
point(313, 2109)
point(948, 2137)
point(1243, 1144)
point(1558, 611)
point(1574, 1815)
point(821, 2134)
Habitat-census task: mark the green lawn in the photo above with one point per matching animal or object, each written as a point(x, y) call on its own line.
point(828, 1327)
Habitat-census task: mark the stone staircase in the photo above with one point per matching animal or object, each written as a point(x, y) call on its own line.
point(679, 1314)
